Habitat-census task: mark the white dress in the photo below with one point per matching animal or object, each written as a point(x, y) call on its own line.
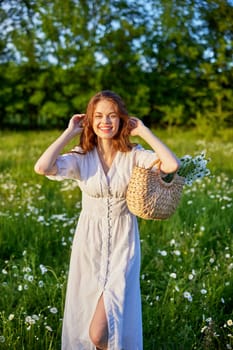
point(105, 258)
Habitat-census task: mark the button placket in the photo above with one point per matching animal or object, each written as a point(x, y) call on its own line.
point(109, 233)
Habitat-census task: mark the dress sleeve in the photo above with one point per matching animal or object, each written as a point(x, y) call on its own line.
point(144, 158)
point(67, 167)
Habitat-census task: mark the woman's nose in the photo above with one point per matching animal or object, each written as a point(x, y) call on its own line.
point(106, 119)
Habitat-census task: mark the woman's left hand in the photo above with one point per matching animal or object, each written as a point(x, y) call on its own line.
point(135, 126)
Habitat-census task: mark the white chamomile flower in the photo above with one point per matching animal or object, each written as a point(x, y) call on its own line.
point(193, 168)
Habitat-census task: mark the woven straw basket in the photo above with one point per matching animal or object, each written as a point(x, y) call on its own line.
point(149, 197)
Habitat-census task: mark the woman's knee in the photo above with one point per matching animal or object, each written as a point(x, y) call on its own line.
point(98, 330)
point(99, 338)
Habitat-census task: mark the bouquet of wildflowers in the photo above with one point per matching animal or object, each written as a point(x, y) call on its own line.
point(193, 168)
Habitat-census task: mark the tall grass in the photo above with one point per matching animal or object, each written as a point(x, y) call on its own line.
point(187, 261)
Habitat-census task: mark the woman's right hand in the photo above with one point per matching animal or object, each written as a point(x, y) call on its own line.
point(46, 164)
point(76, 123)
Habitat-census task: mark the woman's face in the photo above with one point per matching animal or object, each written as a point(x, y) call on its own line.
point(106, 119)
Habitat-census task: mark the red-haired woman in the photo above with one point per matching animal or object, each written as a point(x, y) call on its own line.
point(103, 303)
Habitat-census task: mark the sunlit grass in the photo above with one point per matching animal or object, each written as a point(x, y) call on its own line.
point(187, 261)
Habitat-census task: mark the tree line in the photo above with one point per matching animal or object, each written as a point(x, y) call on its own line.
point(170, 60)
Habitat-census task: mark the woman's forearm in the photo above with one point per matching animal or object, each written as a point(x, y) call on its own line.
point(46, 164)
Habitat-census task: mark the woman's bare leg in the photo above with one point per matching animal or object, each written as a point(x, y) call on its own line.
point(98, 330)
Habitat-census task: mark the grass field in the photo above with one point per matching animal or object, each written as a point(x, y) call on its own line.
point(187, 261)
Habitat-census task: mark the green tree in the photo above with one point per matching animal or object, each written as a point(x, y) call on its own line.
point(217, 69)
point(171, 60)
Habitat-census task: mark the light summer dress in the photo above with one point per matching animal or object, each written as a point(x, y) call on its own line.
point(105, 258)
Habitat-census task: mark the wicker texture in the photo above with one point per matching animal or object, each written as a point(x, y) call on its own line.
point(149, 197)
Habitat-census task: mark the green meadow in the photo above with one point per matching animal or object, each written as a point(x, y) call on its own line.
point(187, 261)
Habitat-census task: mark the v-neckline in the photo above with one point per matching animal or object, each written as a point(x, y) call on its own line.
point(101, 164)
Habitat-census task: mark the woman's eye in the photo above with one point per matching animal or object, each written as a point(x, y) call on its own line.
point(110, 116)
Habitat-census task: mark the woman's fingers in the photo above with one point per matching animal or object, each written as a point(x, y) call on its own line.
point(133, 123)
point(77, 119)
point(76, 122)
point(135, 126)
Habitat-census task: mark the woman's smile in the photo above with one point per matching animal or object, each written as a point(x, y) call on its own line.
point(105, 129)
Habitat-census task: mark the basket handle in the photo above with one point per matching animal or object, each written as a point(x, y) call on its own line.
point(155, 162)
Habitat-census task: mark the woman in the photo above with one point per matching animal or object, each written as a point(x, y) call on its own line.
point(103, 305)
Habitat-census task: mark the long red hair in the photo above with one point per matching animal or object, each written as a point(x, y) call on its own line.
point(88, 139)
